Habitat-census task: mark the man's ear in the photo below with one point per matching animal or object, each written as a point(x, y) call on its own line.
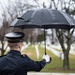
point(19, 45)
point(8, 44)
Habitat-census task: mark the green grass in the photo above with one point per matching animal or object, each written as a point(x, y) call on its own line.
point(72, 61)
point(30, 51)
point(58, 49)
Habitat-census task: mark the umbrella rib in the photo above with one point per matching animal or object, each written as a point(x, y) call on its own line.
point(66, 17)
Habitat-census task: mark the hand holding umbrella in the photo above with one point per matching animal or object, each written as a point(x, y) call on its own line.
point(47, 58)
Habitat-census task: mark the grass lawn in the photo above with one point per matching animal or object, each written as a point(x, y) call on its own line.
point(56, 65)
point(30, 51)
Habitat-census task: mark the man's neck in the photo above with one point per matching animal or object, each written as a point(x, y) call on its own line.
point(16, 49)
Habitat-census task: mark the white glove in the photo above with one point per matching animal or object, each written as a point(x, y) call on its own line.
point(47, 58)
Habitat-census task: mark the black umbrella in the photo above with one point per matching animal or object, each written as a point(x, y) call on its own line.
point(44, 18)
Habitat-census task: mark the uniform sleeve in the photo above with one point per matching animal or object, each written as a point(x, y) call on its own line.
point(35, 65)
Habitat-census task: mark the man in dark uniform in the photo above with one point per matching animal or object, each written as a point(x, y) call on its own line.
point(13, 63)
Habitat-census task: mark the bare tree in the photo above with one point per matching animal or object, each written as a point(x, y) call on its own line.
point(2, 34)
point(61, 33)
point(65, 37)
point(68, 7)
point(9, 13)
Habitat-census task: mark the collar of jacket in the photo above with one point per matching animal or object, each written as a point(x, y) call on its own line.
point(13, 52)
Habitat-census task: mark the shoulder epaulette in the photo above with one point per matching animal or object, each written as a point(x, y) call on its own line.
point(23, 55)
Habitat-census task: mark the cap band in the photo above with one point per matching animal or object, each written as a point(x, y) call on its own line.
point(15, 41)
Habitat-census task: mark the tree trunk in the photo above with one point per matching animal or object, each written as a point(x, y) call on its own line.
point(66, 65)
point(60, 35)
point(2, 50)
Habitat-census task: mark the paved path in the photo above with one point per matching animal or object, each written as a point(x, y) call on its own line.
point(37, 51)
point(72, 51)
point(42, 73)
point(24, 47)
point(57, 53)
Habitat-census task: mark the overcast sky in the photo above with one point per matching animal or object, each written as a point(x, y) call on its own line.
point(5, 2)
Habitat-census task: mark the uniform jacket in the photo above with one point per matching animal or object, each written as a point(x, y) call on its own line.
point(16, 64)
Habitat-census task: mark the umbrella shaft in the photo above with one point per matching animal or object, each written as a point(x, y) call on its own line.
point(45, 41)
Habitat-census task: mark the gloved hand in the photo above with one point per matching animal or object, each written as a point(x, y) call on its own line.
point(47, 58)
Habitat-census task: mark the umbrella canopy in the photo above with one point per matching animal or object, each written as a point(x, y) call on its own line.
point(44, 18)
point(23, 20)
